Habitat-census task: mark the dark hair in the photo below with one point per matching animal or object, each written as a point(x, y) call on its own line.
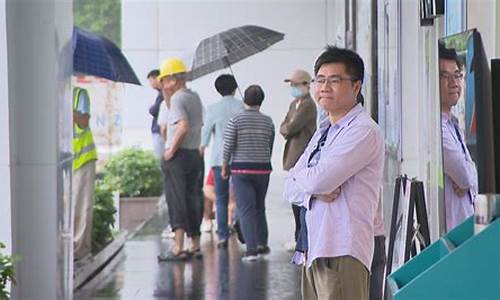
point(254, 95)
point(449, 54)
point(225, 84)
point(153, 73)
point(352, 61)
point(360, 98)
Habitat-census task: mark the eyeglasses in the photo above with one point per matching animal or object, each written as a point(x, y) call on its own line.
point(332, 80)
point(449, 77)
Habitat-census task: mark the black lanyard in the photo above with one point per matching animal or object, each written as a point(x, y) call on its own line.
point(459, 138)
point(321, 143)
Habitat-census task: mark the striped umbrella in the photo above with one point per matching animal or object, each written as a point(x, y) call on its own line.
point(228, 47)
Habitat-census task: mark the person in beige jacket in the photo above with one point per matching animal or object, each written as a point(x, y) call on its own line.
point(297, 129)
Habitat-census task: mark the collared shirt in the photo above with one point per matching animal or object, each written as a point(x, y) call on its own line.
point(217, 116)
point(459, 168)
point(352, 158)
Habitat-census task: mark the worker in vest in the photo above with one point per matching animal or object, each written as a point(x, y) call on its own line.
point(84, 164)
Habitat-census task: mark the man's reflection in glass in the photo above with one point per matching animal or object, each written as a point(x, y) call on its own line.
point(460, 174)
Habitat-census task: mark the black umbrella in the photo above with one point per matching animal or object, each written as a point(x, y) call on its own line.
point(98, 56)
point(228, 47)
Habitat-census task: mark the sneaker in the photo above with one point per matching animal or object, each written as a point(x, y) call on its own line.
point(206, 226)
point(263, 250)
point(290, 246)
point(222, 244)
point(250, 256)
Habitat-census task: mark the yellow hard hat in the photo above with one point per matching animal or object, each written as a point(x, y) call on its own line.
point(171, 66)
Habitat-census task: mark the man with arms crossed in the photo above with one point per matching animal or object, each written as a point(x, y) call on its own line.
point(460, 174)
point(345, 155)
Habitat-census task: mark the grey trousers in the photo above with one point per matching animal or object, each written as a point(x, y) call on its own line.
point(83, 192)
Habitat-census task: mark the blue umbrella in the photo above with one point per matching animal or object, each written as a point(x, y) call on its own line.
point(98, 56)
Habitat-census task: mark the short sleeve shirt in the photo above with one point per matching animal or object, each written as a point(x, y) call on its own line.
point(186, 105)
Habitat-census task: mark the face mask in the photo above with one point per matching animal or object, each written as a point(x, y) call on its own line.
point(296, 92)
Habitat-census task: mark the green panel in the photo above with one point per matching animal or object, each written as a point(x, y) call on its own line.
point(461, 233)
point(470, 271)
point(414, 267)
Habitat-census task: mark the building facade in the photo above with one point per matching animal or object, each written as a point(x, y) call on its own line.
point(401, 92)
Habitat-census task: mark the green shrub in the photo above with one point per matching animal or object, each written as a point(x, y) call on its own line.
point(104, 216)
point(134, 172)
point(6, 272)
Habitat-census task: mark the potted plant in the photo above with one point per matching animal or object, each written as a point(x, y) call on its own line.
point(136, 174)
point(103, 217)
point(6, 272)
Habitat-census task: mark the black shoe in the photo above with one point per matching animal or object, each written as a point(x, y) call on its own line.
point(171, 256)
point(263, 249)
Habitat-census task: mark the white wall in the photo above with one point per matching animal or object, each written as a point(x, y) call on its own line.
point(5, 211)
point(420, 106)
point(481, 14)
point(154, 30)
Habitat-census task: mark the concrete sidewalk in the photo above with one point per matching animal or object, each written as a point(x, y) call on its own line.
point(136, 273)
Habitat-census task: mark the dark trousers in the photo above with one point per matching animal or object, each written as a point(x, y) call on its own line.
point(250, 191)
point(183, 180)
point(296, 216)
point(378, 269)
point(221, 202)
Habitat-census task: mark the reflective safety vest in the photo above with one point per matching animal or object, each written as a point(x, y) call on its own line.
point(84, 149)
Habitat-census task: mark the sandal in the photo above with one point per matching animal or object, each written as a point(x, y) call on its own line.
point(171, 256)
point(195, 253)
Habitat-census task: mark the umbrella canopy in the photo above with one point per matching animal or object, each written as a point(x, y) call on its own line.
point(98, 56)
point(228, 47)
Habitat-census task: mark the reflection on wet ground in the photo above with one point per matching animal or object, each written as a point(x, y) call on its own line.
point(219, 275)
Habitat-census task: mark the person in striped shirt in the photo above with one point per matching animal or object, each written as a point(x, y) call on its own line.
point(248, 145)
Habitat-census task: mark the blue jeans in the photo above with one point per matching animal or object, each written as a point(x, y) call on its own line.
point(221, 202)
point(250, 190)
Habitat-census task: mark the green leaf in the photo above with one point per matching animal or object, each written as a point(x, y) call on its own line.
point(102, 17)
point(134, 172)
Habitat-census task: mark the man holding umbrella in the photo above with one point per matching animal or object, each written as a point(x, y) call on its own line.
point(182, 163)
point(84, 159)
point(218, 115)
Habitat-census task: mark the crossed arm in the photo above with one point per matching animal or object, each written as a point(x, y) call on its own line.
point(355, 150)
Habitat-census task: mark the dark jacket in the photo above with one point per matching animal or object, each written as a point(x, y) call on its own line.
point(154, 110)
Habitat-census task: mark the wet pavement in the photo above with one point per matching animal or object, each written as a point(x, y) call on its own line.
point(220, 274)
